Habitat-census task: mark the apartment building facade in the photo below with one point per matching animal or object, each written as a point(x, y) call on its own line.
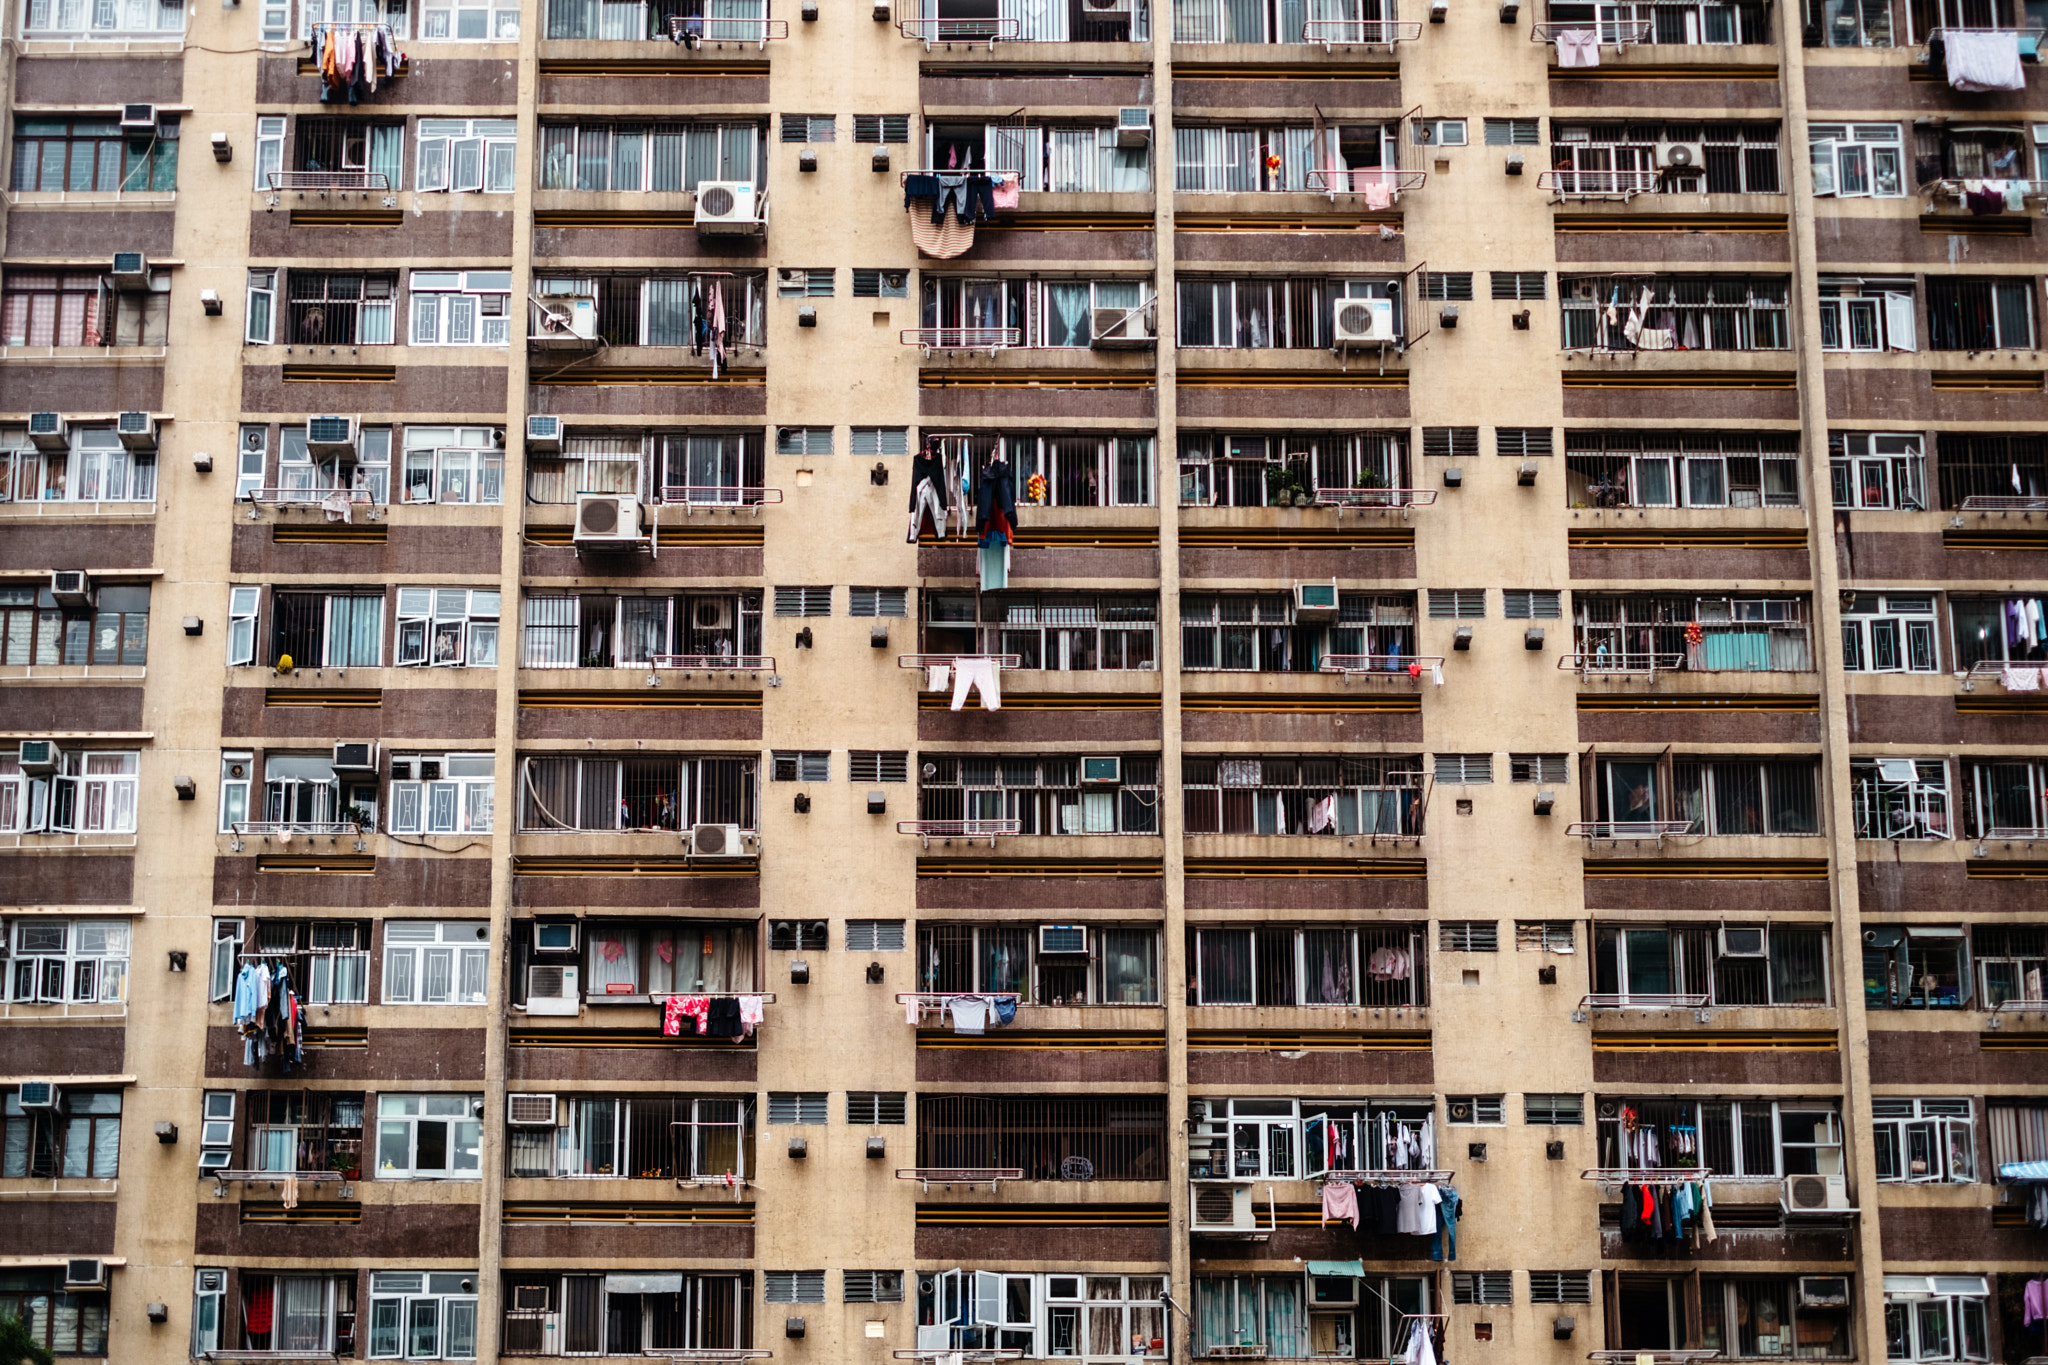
point(1511, 673)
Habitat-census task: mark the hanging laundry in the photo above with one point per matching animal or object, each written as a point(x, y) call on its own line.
point(1578, 47)
point(1340, 1202)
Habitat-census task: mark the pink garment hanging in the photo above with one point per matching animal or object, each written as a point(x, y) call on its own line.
point(1340, 1202)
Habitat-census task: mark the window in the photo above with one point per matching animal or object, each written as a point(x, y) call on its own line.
point(1849, 23)
point(90, 792)
point(1267, 313)
point(217, 1130)
point(304, 1130)
point(424, 1137)
point(442, 793)
point(1453, 285)
point(1670, 313)
point(1545, 768)
point(810, 128)
point(804, 440)
point(1925, 1141)
point(424, 1315)
point(1464, 769)
point(62, 1321)
point(1059, 632)
point(1483, 1286)
point(1523, 285)
point(129, 19)
point(63, 308)
point(1086, 470)
point(1511, 132)
point(269, 159)
point(874, 1108)
point(95, 468)
point(627, 1313)
point(1560, 1286)
point(338, 629)
point(461, 307)
point(789, 1106)
point(112, 629)
point(1060, 159)
point(880, 284)
point(879, 441)
point(793, 1286)
point(1883, 471)
point(2012, 962)
point(236, 773)
point(1866, 315)
point(1989, 465)
point(877, 602)
point(1917, 966)
point(2005, 798)
point(1715, 796)
point(877, 765)
point(1269, 1310)
point(226, 959)
point(1096, 964)
point(79, 1140)
point(1520, 441)
point(429, 962)
point(638, 1137)
point(1694, 469)
point(80, 155)
point(881, 128)
point(209, 1290)
point(1900, 798)
point(1468, 936)
point(634, 961)
point(872, 1286)
point(454, 465)
point(447, 627)
point(1439, 132)
point(344, 153)
point(1323, 794)
point(1977, 314)
point(1054, 313)
point(1890, 633)
point(1531, 604)
point(1379, 966)
point(1044, 796)
point(806, 283)
point(1857, 161)
point(1936, 1317)
point(1544, 936)
point(468, 154)
point(324, 308)
point(1482, 1110)
point(874, 936)
point(1752, 1137)
point(803, 601)
point(1988, 630)
point(1553, 1111)
point(1450, 442)
point(789, 765)
point(2019, 1131)
point(661, 158)
point(1732, 964)
point(602, 631)
point(1657, 632)
point(329, 959)
point(1457, 604)
point(798, 935)
point(1607, 159)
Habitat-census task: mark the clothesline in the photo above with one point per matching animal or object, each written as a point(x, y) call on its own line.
point(1388, 1177)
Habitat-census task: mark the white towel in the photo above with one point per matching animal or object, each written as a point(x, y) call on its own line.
point(937, 677)
point(1983, 60)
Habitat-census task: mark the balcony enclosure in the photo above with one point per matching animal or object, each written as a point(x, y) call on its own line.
point(1690, 469)
point(2012, 962)
point(1880, 471)
point(1993, 466)
point(1060, 159)
point(1900, 798)
point(1044, 795)
point(1040, 313)
point(657, 158)
point(1300, 158)
point(1066, 21)
point(1634, 797)
point(1287, 1139)
point(1224, 469)
point(1121, 1137)
point(1977, 314)
point(1119, 965)
point(1374, 795)
point(1621, 158)
point(1265, 1317)
point(1283, 21)
point(666, 310)
point(1707, 23)
point(1997, 631)
point(1080, 469)
point(1258, 633)
point(1673, 313)
point(561, 794)
point(627, 20)
point(1280, 967)
point(1764, 965)
point(1272, 314)
point(636, 961)
point(1741, 1317)
point(1741, 1137)
point(1927, 17)
point(628, 1313)
point(1061, 632)
point(596, 630)
point(1654, 633)
point(347, 153)
point(637, 1137)
point(720, 467)
point(296, 1131)
point(2005, 798)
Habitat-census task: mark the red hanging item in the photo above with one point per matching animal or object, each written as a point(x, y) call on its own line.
point(257, 1320)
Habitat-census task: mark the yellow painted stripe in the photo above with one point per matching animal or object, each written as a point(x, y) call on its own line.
point(2031, 541)
point(1977, 704)
point(727, 536)
point(1300, 71)
point(1115, 869)
point(1223, 1040)
point(654, 377)
point(613, 1040)
point(634, 867)
point(1595, 704)
point(1686, 540)
point(641, 701)
point(595, 218)
point(1247, 538)
point(1335, 222)
point(374, 218)
point(354, 700)
point(1054, 1042)
point(629, 1213)
point(2013, 1042)
point(337, 1037)
point(1960, 225)
point(1266, 869)
point(1060, 537)
point(1083, 703)
point(1675, 379)
point(595, 67)
point(340, 374)
point(1666, 73)
point(2028, 381)
point(1980, 870)
point(304, 1213)
point(1291, 379)
point(1762, 224)
point(1715, 1042)
point(1390, 703)
point(1713, 870)
point(342, 864)
point(1040, 1216)
point(1027, 379)
point(1072, 222)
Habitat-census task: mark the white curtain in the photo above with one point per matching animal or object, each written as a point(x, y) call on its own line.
point(614, 959)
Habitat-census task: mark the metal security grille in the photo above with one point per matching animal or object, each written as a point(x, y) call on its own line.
point(1124, 1137)
point(1555, 1111)
point(870, 1108)
point(804, 440)
point(815, 601)
point(1457, 604)
point(792, 1106)
point(810, 127)
point(1480, 1109)
point(1468, 936)
point(881, 284)
point(1560, 1286)
point(794, 1286)
point(1512, 132)
point(809, 765)
point(878, 765)
point(879, 441)
point(1450, 441)
point(1482, 1286)
point(1530, 604)
point(794, 935)
point(800, 283)
point(874, 936)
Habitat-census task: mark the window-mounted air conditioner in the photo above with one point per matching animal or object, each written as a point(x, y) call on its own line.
point(1315, 601)
point(553, 990)
point(85, 1272)
point(137, 431)
point(1815, 1193)
point(37, 756)
point(49, 431)
point(330, 434)
point(1681, 156)
point(1062, 940)
point(1122, 329)
point(1364, 322)
point(1102, 771)
point(711, 613)
point(1823, 1291)
point(138, 118)
point(1133, 126)
point(1222, 1208)
point(130, 270)
point(543, 435)
point(726, 206)
point(530, 1111)
point(1333, 1291)
point(1747, 941)
point(607, 519)
point(716, 841)
point(38, 1095)
point(71, 588)
point(356, 755)
point(555, 935)
point(530, 1298)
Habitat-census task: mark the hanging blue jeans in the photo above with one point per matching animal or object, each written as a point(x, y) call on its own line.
point(953, 189)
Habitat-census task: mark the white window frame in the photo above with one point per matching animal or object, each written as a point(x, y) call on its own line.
point(68, 961)
point(209, 1299)
point(114, 792)
point(237, 772)
point(404, 1304)
point(475, 156)
point(1882, 306)
point(1902, 623)
point(1858, 160)
point(440, 21)
point(225, 962)
point(399, 1119)
point(1957, 1305)
point(417, 951)
point(459, 800)
point(447, 627)
point(124, 20)
point(24, 800)
point(454, 308)
point(1946, 1129)
point(459, 466)
point(1898, 459)
point(1437, 132)
point(259, 316)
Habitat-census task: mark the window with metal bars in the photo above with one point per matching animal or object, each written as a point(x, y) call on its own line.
point(872, 1286)
point(877, 602)
point(1554, 1111)
point(1531, 604)
point(797, 1106)
point(1524, 285)
point(1260, 634)
point(811, 601)
point(1622, 158)
point(1457, 604)
point(1522, 441)
point(808, 765)
point(874, 936)
point(1544, 936)
point(879, 441)
point(1122, 1137)
point(805, 282)
point(803, 440)
point(810, 127)
point(1674, 312)
point(1475, 1109)
point(1450, 286)
point(1560, 1286)
point(1979, 464)
point(1539, 768)
point(635, 1137)
point(872, 1108)
point(1468, 936)
point(881, 284)
point(799, 935)
point(877, 765)
point(1681, 469)
point(1655, 962)
point(1379, 965)
point(594, 792)
point(1044, 796)
point(1512, 132)
point(1482, 1286)
point(1450, 441)
point(1320, 794)
point(1464, 769)
point(793, 1286)
point(878, 129)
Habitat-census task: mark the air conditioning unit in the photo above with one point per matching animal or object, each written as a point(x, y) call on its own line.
point(607, 519)
point(1222, 1208)
point(554, 990)
point(138, 118)
point(1062, 940)
point(71, 588)
point(38, 1095)
point(1815, 1193)
point(530, 1298)
point(38, 755)
point(1823, 1291)
point(130, 270)
point(1315, 601)
point(137, 431)
point(330, 435)
point(1681, 156)
point(1743, 942)
point(1333, 1291)
point(49, 431)
point(356, 756)
point(1133, 126)
point(726, 206)
point(543, 435)
point(1122, 329)
point(1364, 322)
point(85, 1272)
point(530, 1111)
point(566, 322)
point(555, 935)
point(716, 841)
point(711, 613)
point(1106, 771)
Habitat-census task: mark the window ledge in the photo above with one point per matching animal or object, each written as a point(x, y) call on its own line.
point(164, 44)
point(75, 672)
point(83, 355)
point(22, 1011)
point(64, 841)
point(132, 199)
point(51, 507)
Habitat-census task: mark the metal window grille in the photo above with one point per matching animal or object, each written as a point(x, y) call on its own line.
point(877, 602)
point(814, 601)
point(1465, 770)
point(1521, 441)
point(1482, 1286)
point(877, 765)
point(881, 128)
point(1457, 604)
point(1450, 441)
point(1531, 604)
point(1523, 285)
point(872, 1108)
point(810, 127)
point(879, 441)
point(1560, 1286)
point(1450, 286)
point(797, 935)
point(874, 936)
point(1512, 132)
point(1544, 936)
point(881, 284)
point(873, 1286)
point(794, 1286)
point(1044, 795)
point(793, 1106)
point(1468, 936)
point(1554, 1111)
point(1475, 1109)
point(1124, 1137)
point(1539, 768)
point(803, 440)
point(807, 765)
point(805, 283)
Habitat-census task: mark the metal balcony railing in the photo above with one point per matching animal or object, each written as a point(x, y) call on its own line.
point(1336, 182)
point(990, 339)
point(1604, 664)
point(970, 31)
point(1393, 667)
point(1389, 498)
point(1599, 184)
point(1628, 829)
point(1641, 1000)
point(760, 32)
point(991, 1176)
point(1360, 32)
point(713, 663)
point(990, 830)
point(323, 181)
point(285, 829)
point(691, 496)
point(1607, 32)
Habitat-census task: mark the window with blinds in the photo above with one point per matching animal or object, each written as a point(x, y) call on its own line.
point(1464, 770)
point(1445, 604)
point(1511, 132)
point(879, 441)
point(1527, 285)
point(873, 1286)
point(878, 765)
point(1554, 1111)
point(1450, 286)
point(796, 1106)
point(1482, 1286)
point(1560, 1286)
point(803, 440)
point(881, 284)
point(1530, 604)
point(877, 602)
point(881, 128)
point(1544, 936)
point(810, 127)
point(1450, 441)
point(871, 1108)
point(806, 765)
point(1521, 441)
point(816, 601)
point(794, 1286)
point(874, 936)
point(1539, 768)
point(1468, 936)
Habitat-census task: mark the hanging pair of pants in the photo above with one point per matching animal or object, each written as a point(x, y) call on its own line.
point(925, 500)
point(981, 197)
point(978, 673)
point(953, 190)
